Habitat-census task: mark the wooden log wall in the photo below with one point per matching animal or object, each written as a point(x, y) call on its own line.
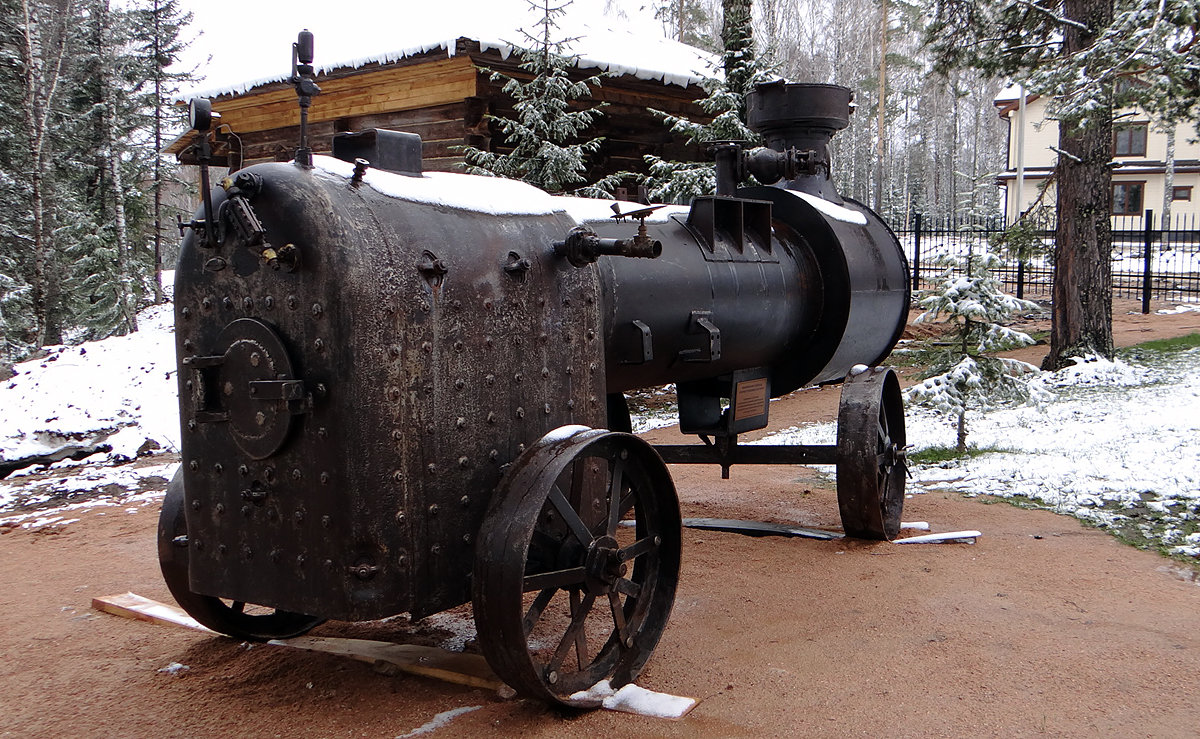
point(445, 101)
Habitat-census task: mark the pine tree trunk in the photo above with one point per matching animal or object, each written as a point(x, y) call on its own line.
point(737, 37)
point(1082, 316)
point(42, 59)
point(156, 9)
point(961, 446)
point(116, 183)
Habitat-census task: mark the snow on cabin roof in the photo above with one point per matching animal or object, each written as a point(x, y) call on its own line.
point(621, 51)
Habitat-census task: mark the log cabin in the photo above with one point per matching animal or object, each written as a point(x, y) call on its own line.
point(444, 92)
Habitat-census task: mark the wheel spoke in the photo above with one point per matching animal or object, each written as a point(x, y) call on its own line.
point(578, 618)
point(618, 614)
point(628, 587)
point(556, 579)
point(580, 634)
point(570, 516)
point(536, 607)
point(615, 488)
point(638, 548)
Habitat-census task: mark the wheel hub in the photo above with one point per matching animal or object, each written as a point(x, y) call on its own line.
point(604, 565)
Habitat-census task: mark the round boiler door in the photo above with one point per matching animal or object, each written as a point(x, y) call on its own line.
point(256, 383)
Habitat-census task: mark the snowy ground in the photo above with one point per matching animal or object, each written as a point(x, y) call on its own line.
point(1119, 446)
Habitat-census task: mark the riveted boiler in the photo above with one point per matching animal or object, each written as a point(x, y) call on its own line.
point(403, 391)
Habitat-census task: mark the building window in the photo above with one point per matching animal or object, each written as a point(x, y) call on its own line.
point(1181, 192)
point(1129, 140)
point(1127, 198)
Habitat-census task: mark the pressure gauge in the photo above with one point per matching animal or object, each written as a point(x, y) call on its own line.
point(200, 114)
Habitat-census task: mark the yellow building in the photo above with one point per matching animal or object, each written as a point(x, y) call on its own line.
point(1139, 163)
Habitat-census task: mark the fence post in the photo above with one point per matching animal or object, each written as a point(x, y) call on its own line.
point(1148, 237)
point(916, 265)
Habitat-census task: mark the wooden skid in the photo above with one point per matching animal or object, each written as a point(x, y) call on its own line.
point(131, 605)
point(454, 667)
point(961, 537)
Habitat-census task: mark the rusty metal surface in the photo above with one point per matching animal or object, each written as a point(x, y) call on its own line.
point(430, 362)
point(235, 619)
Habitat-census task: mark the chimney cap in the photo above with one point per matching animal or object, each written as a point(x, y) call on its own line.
point(774, 106)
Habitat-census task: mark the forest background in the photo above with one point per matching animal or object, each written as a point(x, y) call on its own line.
point(86, 93)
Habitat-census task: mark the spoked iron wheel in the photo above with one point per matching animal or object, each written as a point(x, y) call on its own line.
point(577, 564)
point(236, 619)
point(871, 463)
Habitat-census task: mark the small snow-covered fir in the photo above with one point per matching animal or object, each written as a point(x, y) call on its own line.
point(966, 376)
point(545, 135)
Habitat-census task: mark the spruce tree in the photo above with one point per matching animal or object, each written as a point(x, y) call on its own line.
point(966, 376)
point(160, 25)
point(35, 35)
point(545, 136)
point(739, 71)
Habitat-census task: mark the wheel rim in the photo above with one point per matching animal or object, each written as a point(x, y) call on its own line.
point(871, 466)
point(233, 618)
point(571, 589)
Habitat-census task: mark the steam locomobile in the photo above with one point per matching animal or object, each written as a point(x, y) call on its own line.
point(403, 392)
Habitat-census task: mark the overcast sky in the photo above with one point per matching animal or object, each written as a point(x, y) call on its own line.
point(252, 40)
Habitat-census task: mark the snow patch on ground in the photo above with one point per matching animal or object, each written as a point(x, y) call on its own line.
point(460, 626)
point(120, 392)
point(37, 504)
point(438, 721)
point(1118, 447)
point(1178, 309)
point(634, 699)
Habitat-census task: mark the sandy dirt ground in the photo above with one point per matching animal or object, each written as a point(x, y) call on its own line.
point(1043, 627)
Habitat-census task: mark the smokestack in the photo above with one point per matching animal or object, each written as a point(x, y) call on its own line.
point(805, 117)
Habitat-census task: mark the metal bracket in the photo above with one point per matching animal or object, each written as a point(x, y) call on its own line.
point(641, 348)
point(700, 322)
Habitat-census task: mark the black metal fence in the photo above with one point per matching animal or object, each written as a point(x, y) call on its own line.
point(1147, 263)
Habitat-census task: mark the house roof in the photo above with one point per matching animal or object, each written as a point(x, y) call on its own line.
point(1009, 100)
point(622, 51)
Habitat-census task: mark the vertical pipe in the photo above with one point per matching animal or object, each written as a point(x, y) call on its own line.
point(916, 265)
point(1148, 236)
point(1019, 195)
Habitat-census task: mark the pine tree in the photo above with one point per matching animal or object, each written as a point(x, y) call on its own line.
point(686, 21)
point(76, 164)
point(966, 377)
point(35, 36)
point(740, 71)
point(545, 135)
point(1074, 53)
point(160, 24)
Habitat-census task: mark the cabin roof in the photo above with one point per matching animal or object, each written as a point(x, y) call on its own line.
point(618, 51)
